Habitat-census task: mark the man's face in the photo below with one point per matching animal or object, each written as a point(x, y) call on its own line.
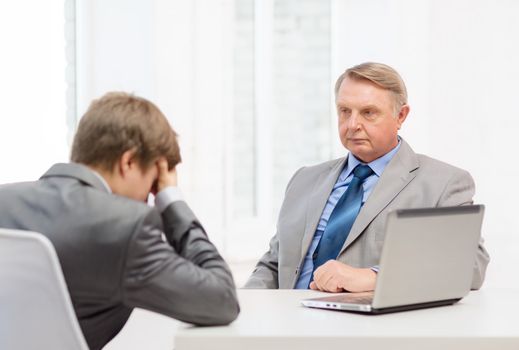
point(368, 126)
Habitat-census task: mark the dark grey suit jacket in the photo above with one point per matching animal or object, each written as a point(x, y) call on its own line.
point(117, 253)
point(410, 180)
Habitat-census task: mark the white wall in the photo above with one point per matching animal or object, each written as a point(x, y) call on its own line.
point(33, 131)
point(114, 49)
point(459, 60)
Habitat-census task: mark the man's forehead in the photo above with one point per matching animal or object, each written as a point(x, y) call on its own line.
point(362, 92)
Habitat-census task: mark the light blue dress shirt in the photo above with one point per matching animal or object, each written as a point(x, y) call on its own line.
point(343, 181)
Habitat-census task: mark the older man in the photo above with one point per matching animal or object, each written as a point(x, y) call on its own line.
point(330, 230)
point(116, 252)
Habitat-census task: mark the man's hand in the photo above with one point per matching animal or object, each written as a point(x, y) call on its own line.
point(165, 177)
point(334, 276)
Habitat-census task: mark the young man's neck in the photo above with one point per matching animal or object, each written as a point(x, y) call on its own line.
point(106, 177)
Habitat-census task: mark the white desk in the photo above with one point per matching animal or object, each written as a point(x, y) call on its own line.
point(274, 319)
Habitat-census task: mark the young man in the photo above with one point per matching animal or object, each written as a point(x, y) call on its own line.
point(116, 252)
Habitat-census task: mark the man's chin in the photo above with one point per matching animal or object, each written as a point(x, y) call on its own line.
point(358, 146)
point(361, 151)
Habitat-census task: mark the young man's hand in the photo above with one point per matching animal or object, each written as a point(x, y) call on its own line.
point(165, 177)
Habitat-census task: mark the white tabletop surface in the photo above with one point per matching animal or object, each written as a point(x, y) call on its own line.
point(275, 319)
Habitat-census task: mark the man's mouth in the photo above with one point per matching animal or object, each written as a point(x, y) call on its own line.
point(356, 139)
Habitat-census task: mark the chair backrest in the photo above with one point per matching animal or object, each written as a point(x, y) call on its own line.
point(35, 307)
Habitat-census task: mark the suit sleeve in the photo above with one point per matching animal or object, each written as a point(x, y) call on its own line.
point(265, 274)
point(183, 277)
point(460, 191)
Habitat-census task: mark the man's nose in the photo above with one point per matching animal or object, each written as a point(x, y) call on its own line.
point(353, 121)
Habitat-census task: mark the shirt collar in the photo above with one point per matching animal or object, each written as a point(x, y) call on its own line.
point(103, 181)
point(378, 165)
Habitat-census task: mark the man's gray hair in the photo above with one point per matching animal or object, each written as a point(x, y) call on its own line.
point(379, 74)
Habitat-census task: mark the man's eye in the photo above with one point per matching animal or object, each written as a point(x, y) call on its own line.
point(369, 113)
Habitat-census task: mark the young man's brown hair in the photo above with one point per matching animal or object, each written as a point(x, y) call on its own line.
point(118, 122)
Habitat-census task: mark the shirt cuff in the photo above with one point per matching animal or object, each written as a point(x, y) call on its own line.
point(167, 196)
point(375, 268)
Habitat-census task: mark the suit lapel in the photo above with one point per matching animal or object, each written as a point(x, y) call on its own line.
point(397, 175)
point(317, 200)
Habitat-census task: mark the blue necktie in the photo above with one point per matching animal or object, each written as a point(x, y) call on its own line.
point(342, 218)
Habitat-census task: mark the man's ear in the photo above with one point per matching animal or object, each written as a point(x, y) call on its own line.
point(402, 115)
point(126, 163)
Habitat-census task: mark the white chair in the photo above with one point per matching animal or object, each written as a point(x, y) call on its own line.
point(35, 307)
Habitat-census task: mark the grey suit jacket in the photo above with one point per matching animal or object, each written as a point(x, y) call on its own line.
point(117, 253)
point(409, 181)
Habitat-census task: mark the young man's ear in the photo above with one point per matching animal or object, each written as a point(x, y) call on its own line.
point(126, 162)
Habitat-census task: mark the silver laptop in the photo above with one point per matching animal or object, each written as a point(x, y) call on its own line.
point(427, 260)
